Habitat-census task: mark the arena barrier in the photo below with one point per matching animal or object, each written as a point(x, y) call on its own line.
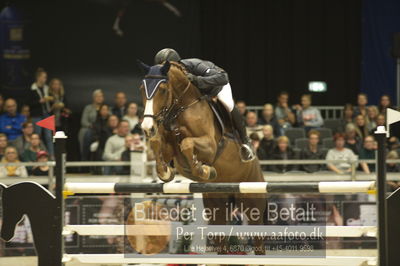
point(48, 212)
point(243, 187)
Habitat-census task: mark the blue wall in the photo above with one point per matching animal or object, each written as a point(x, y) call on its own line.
point(380, 19)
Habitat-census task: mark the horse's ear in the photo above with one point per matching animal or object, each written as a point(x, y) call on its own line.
point(165, 68)
point(2, 186)
point(145, 68)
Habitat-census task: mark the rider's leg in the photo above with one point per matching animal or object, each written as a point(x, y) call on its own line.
point(225, 96)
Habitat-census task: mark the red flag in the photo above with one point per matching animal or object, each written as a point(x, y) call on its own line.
point(48, 123)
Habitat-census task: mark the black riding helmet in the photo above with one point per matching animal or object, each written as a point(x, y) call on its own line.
point(166, 54)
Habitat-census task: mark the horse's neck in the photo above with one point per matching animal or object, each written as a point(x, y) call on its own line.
point(192, 94)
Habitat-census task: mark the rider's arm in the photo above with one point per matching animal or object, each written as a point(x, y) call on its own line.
point(214, 80)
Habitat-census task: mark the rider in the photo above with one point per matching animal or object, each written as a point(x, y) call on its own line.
point(212, 80)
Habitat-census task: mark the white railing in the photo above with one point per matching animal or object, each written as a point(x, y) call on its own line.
point(327, 112)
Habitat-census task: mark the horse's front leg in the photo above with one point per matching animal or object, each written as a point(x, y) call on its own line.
point(207, 148)
point(163, 154)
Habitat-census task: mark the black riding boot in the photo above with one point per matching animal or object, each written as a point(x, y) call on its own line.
point(246, 152)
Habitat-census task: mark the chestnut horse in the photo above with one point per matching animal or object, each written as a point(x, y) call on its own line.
point(182, 129)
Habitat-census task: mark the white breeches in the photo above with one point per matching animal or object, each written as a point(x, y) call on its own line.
point(225, 96)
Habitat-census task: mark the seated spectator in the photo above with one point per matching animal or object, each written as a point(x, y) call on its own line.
point(307, 116)
point(242, 108)
point(267, 143)
point(348, 116)
point(384, 103)
point(367, 152)
point(101, 131)
point(313, 151)
point(23, 141)
point(133, 143)
point(11, 156)
point(26, 111)
point(3, 144)
point(89, 115)
point(58, 104)
point(372, 114)
point(11, 121)
point(268, 118)
point(361, 108)
point(286, 118)
point(361, 126)
point(119, 108)
point(252, 126)
point(1, 104)
point(353, 141)
point(393, 167)
point(42, 157)
point(115, 146)
point(339, 152)
point(380, 121)
point(132, 115)
point(255, 142)
point(138, 128)
point(283, 152)
point(30, 153)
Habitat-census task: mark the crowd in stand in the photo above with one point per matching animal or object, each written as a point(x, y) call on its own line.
point(299, 132)
point(112, 132)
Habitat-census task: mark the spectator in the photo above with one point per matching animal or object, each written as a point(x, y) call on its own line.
point(1, 103)
point(283, 152)
point(267, 143)
point(393, 167)
point(380, 121)
point(307, 116)
point(119, 108)
point(3, 144)
point(42, 157)
point(138, 128)
point(367, 152)
point(61, 113)
point(353, 141)
point(285, 116)
point(26, 111)
point(115, 146)
point(372, 114)
point(348, 116)
point(361, 126)
point(11, 121)
point(11, 156)
point(313, 151)
point(339, 152)
point(268, 118)
point(30, 154)
point(39, 103)
point(242, 108)
point(132, 115)
point(384, 103)
point(23, 141)
point(101, 132)
point(89, 115)
point(252, 126)
point(255, 142)
point(361, 108)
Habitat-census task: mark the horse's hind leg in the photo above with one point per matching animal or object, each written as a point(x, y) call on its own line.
point(163, 153)
point(203, 145)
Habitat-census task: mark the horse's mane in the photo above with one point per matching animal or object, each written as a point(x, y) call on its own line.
point(179, 66)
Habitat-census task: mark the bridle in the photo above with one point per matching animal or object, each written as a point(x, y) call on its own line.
point(171, 112)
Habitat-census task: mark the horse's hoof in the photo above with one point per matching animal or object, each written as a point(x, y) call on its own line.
point(209, 173)
point(169, 175)
point(213, 174)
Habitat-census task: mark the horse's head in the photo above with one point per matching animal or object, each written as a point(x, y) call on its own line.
point(10, 215)
point(161, 86)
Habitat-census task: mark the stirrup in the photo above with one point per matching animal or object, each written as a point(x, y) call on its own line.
point(246, 153)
